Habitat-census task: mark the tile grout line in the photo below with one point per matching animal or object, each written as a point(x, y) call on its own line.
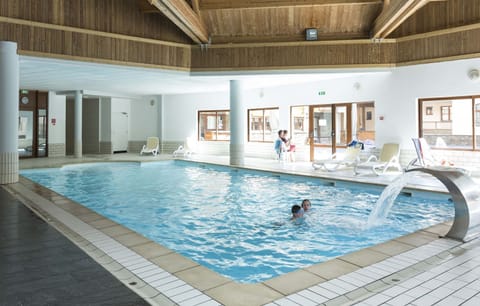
point(104, 243)
point(330, 286)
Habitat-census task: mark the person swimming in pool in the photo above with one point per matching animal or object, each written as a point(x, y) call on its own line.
point(306, 205)
point(297, 212)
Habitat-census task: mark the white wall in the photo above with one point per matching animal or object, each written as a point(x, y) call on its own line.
point(180, 113)
point(56, 110)
point(143, 118)
point(408, 84)
point(395, 95)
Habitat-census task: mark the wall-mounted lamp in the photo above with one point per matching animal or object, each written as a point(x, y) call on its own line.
point(474, 75)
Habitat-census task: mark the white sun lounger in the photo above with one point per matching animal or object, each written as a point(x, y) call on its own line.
point(388, 159)
point(337, 161)
point(151, 146)
point(186, 149)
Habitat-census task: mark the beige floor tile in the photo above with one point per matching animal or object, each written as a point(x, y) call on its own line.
point(90, 217)
point(102, 223)
point(151, 250)
point(235, 294)
point(61, 201)
point(74, 208)
point(332, 268)
point(116, 230)
point(174, 262)
point(294, 281)
point(439, 229)
point(418, 238)
point(392, 247)
point(202, 278)
point(364, 257)
point(131, 239)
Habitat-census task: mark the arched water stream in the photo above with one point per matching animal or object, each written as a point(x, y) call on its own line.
point(465, 195)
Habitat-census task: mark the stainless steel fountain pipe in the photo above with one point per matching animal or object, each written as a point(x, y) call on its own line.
point(466, 198)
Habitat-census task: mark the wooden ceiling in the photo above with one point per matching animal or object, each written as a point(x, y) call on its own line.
point(265, 21)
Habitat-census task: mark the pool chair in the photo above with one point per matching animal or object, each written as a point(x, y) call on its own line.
point(388, 159)
point(186, 149)
point(425, 158)
point(151, 146)
point(349, 158)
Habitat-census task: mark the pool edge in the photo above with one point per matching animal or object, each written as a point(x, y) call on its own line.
point(268, 291)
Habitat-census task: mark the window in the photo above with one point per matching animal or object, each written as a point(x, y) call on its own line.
point(262, 124)
point(445, 112)
point(299, 124)
point(214, 125)
point(451, 123)
point(365, 124)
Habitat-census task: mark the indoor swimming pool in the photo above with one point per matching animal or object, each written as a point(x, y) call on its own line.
point(235, 221)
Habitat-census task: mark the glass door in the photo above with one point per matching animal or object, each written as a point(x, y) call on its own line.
point(330, 129)
point(33, 124)
point(25, 133)
point(42, 133)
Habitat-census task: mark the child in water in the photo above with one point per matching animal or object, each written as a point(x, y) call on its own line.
point(297, 212)
point(306, 205)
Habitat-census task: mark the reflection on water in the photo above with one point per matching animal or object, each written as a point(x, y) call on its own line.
point(238, 222)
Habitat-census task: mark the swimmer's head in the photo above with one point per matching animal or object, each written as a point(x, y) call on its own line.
point(297, 211)
point(306, 205)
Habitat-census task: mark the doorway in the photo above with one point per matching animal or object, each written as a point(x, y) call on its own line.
point(33, 124)
point(330, 129)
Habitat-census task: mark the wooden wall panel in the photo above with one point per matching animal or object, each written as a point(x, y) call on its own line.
point(113, 16)
point(294, 56)
point(458, 44)
point(438, 15)
point(62, 43)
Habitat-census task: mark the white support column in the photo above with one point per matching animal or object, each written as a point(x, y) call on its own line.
point(9, 87)
point(160, 121)
point(237, 123)
point(77, 134)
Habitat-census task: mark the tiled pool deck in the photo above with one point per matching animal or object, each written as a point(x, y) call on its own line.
point(416, 269)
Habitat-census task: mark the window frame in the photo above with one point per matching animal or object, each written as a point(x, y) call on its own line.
point(199, 128)
point(448, 113)
point(472, 98)
point(263, 109)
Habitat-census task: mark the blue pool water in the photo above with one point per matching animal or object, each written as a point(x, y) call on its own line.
point(236, 222)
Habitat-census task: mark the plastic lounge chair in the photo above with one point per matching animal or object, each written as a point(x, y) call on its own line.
point(425, 158)
point(389, 158)
point(350, 158)
point(151, 146)
point(185, 149)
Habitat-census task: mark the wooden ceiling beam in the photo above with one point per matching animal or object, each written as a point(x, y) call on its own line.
point(146, 8)
point(394, 13)
point(254, 4)
point(184, 17)
point(219, 39)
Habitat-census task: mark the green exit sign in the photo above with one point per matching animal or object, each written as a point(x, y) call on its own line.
point(321, 93)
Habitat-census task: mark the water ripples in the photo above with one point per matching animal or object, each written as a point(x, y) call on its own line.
point(237, 222)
